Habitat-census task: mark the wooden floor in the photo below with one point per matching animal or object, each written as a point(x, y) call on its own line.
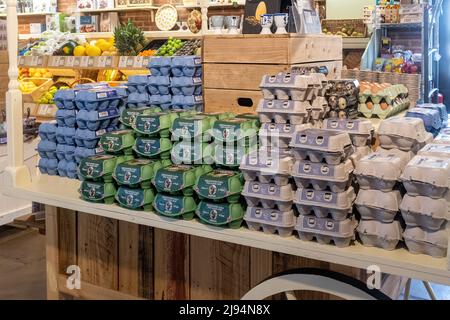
point(22, 265)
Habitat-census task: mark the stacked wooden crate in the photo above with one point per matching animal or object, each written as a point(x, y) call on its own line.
point(234, 65)
point(3, 78)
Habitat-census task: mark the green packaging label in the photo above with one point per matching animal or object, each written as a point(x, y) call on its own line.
point(132, 198)
point(171, 179)
point(169, 205)
point(93, 167)
point(92, 191)
point(215, 185)
point(131, 171)
point(149, 147)
point(218, 214)
point(148, 124)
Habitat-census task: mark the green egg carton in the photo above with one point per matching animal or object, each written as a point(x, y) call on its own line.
point(118, 142)
point(381, 113)
point(128, 116)
point(184, 113)
point(179, 179)
point(229, 155)
point(221, 115)
point(155, 124)
point(97, 191)
point(153, 147)
point(221, 214)
point(195, 127)
point(235, 129)
point(135, 199)
point(100, 167)
point(137, 172)
point(192, 152)
point(175, 206)
point(220, 186)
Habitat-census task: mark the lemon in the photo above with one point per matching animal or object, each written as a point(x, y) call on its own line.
point(79, 51)
point(104, 45)
point(93, 51)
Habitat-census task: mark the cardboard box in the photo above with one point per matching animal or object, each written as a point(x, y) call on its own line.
point(87, 24)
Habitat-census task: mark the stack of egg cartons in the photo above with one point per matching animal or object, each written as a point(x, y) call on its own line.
point(48, 162)
point(441, 108)
point(186, 83)
point(159, 83)
point(323, 174)
point(431, 118)
point(426, 206)
point(342, 97)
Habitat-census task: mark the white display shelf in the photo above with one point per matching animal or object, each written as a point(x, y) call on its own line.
point(62, 192)
point(150, 34)
point(30, 14)
point(355, 43)
point(118, 9)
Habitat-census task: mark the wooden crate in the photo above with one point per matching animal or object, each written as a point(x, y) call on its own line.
point(234, 65)
point(121, 260)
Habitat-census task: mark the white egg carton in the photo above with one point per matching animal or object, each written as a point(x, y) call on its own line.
point(436, 150)
point(320, 145)
point(442, 138)
point(284, 111)
point(379, 171)
point(279, 135)
point(321, 176)
point(325, 203)
point(287, 86)
point(425, 212)
point(378, 205)
point(270, 221)
point(359, 153)
point(326, 230)
point(421, 241)
point(268, 195)
point(406, 156)
point(360, 131)
point(319, 108)
point(267, 167)
point(320, 83)
point(427, 176)
point(381, 235)
point(407, 134)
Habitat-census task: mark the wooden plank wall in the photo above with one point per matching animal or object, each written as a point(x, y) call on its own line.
point(120, 260)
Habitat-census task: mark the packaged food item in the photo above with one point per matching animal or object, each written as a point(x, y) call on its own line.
point(284, 111)
point(135, 199)
point(153, 147)
point(287, 86)
point(378, 205)
point(120, 141)
point(270, 221)
point(66, 117)
point(360, 131)
point(138, 83)
point(436, 150)
point(381, 235)
point(221, 214)
point(178, 179)
point(220, 185)
point(186, 86)
point(97, 99)
point(174, 206)
point(230, 156)
point(267, 167)
point(160, 66)
point(138, 100)
point(425, 212)
point(421, 241)
point(97, 191)
point(431, 118)
point(187, 66)
point(99, 167)
point(136, 173)
point(196, 127)
point(235, 129)
point(192, 152)
point(154, 124)
point(47, 131)
point(96, 120)
point(279, 136)
point(268, 195)
point(159, 85)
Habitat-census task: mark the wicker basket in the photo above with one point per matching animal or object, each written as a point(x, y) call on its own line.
point(43, 84)
point(354, 25)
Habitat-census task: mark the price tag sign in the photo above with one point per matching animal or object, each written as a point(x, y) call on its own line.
point(126, 62)
point(70, 61)
point(76, 61)
point(84, 62)
point(91, 62)
point(35, 61)
point(62, 61)
point(108, 61)
point(53, 61)
point(101, 62)
point(137, 62)
point(145, 62)
point(21, 61)
point(130, 62)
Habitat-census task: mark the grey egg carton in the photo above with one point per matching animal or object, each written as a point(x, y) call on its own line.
point(427, 176)
point(325, 203)
point(284, 111)
point(425, 212)
point(321, 176)
point(360, 131)
point(266, 167)
point(270, 221)
point(287, 86)
point(267, 195)
point(319, 108)
point(436, 150)
point(374, 233)
point(320, 83)
point(407, 134)
point(326, 230)
point(359, 153)
point(406, 156)
point(442, 138)
point(421, 241)
point(279, 135)
point(320, 145)
point(378, 205)
point(379, 171)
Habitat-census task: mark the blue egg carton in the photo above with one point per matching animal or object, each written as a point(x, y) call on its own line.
point(159, 85)
point(89, 139)
point(90, 86)
point(48, 166)
point(66, 117)
point(65, 135)
point(188, 66)
point(47, 131)
point(122, 91)
point(138, 100)
point(431, 118)
point(82, 152)
point(187, 86)
point(441, 108)
point(138, 83)
point(96, 120)
point(67, 169)
point(188, 102)
point(65, 152)
point(47, 149)
point(65, 99)
point(162, 101)
point(160, 66)
point(98, 99)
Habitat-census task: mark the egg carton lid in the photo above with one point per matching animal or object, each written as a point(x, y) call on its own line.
point(323, 171)
point(378, 199)
point(430, 117)
point(321, 140)
point(435, 208)
point(270, 163)
point(412, 128)
point(287, 80)
point(389, 231)
point(437, 238)
point(271, 217)
point(283, 106)
point(443, 138)
point(435, 150)
point(384, 166)
point(406, 156)
point(325, 226)
point(351, 126)
point(426, 169)
point(333, 200)
point(282, 130)
point(268, 191)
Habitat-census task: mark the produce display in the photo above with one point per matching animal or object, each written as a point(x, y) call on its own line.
point(170, 47)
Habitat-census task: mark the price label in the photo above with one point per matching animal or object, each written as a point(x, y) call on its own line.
point(84, 62)
point(35, 61)
point(53, 62)
point(108, 61)
point(21, 61)
point(126, 62)
point(91, 62)
point(137, 62)
point(145, 62)
point(76, 61)
point(70, 61)
point(62, 61)
point(130, 62)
